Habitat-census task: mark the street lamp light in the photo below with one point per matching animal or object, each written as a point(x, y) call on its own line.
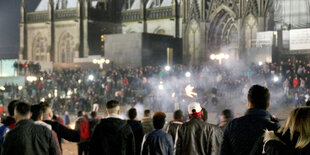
point(91, 77)
point(101, 61)
point(219, 57)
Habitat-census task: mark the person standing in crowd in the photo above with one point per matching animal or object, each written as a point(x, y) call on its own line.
point(9, 121)
point(67, 118)
point(173, 126)
point(83, 127)
point(61, 131)
point(3, 131)
point(112, 135)
point(136, 128)
point(215, 132)
point(286, 86)
point(27, 138)
point(226, 117)
point(147, 121)
point(293, 138)
point(157, 142)
point(194, 137)
point(242, 135)
point(93, 122)
point(37, 117)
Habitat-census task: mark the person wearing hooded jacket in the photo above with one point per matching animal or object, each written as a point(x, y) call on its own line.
point(195, 136)
point(293, 138)
point(112, 135)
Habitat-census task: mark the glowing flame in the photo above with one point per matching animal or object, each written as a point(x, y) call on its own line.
point(72, 125)
point(189, 91)
point(173, 95)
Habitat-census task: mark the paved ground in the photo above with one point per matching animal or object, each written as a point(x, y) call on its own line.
point(69, 148)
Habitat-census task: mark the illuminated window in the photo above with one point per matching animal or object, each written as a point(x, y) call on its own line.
point(102, 38)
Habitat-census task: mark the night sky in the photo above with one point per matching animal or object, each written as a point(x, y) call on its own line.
point(9, 29)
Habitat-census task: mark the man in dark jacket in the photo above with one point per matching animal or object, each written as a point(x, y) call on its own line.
point(147, 122)
point(112, 136)
point(173, 126)
point(136, 128)
point(242, 136)
point(158, 142)
point(9, 121)
point(195, 136)
point(62, 131)
point(27, 138)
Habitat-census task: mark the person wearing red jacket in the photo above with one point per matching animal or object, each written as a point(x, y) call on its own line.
point(296, 82)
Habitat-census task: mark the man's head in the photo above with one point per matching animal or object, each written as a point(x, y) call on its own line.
point(93, 114)
point(47, 111)
point(132, 113)
point(159, 120)
point(36, 112)
point(22, 111)
point(80, 113)
point(113, 107)
point(11, 107)
point(178, 115)
point(195, 110)
point(147, 113)
point(258, 97)
point(226, 115)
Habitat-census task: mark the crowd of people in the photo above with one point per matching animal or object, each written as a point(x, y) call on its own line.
point(74, 90)
point(33, 130)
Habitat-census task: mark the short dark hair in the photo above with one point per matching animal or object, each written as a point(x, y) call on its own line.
point(93, 114)
point(132, 113)
point(23, 108)
point(228, 114)
point(80, 113)
point(36, 111)
point(178, 114)
point(112, 104)
point(147, 112)
point(11, 107)
point(204, 116)
point(44, 106)
point(159, 120)
point(259, 96)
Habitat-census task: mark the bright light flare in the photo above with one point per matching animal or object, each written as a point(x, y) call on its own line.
point(275, 79)
point(2, 88)
point(173, 95)
point(188, 74)
point(31, 78)
point(167, 68)
point(72, 125)
point(20, 87)
point(161, 86)
point(260, 63)
point(189, 91)
point(107, 61)
point(91, 77)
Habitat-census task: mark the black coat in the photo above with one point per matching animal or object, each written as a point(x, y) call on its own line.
point(137, 130)
point(112, 136)
point(242, 134)
point(64, 132)
point(197, 137)
point(27, 138)
point(157, 142)
point(275, 147)
point(172, 128)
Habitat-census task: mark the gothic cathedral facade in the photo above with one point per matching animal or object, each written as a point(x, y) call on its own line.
point(61, 30)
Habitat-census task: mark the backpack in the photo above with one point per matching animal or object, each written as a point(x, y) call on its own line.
point(84, 129)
